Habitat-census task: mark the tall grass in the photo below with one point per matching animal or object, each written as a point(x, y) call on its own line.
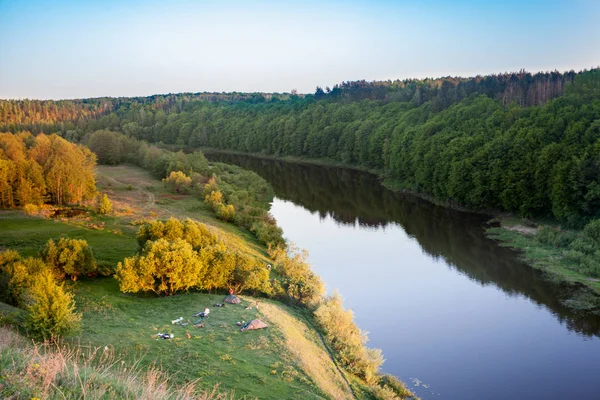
point(60, 371)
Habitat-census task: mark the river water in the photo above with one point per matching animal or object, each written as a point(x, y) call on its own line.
point(456, 315)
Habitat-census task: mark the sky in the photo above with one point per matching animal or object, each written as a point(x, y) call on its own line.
point(77, 49)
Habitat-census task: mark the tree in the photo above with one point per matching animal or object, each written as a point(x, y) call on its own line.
point(163, 267)
point(300, 283)
point(107, 146)
point(50, 310)
point(179, 181)
point(104, 205)
point(72, 257)
point(348, 341)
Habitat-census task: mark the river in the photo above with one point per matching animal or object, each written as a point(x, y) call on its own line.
point(456, 315)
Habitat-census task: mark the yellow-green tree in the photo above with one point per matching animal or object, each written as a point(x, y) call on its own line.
point(226, 212)
point(163, 267)
point(72, 257)
point(104, 205)
point(348, 341)
point(178, 181)
point(220, 265)
point(50, 310)
point(300, 283)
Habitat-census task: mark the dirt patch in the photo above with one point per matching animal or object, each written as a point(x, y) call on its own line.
point(172, 196)
point(525, 230)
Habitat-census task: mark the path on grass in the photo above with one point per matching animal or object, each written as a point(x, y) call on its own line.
point(151, 199)
point(312, 357)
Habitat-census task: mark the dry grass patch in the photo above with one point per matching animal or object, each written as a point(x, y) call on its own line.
point(308, 350)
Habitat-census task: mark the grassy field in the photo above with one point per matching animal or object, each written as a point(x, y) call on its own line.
point(285, 361)
point(254, 363)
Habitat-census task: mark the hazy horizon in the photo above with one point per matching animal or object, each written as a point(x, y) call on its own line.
point(67, 49)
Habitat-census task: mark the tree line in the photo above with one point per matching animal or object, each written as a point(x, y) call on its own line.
point(482, 143)
point(44, 168)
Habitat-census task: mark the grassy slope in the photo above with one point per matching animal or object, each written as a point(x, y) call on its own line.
point(287, 360)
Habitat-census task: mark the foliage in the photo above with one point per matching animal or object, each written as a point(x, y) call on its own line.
point(71, 257)
point(196, 234)
point(18, 275)
point(347, 340)
point(51, 311)
point(163, 267)
point(178, 181)
point(32, 169)
point(297, 281)
point(178, 256)
point(391, 388)
point(107, 146)
point(104, 205)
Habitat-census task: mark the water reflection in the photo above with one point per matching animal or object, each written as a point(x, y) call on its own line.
point(350, 197)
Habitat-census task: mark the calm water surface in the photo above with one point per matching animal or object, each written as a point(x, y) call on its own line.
point(457, 316)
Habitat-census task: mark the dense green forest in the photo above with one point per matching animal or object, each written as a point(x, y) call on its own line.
point(518, 142)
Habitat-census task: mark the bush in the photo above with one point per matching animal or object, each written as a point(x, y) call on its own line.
point(214, 199)
point(104, 205)
point(592, 231)
point(269, 234)
point(348, 341)
point(298, 281)
point(226, 212)
point(72, 257)
point(394, 385)
point(31, 209)
point(50, 310)
point(18, 275)
point(178, 181)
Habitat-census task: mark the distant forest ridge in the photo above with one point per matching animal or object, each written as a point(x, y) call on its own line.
point(528, 144)
point(523, 88)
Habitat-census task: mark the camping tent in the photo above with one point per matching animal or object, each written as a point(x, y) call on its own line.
point(254, 324)
point(232, 299)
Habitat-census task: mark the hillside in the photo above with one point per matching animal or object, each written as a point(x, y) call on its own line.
point(287, 360)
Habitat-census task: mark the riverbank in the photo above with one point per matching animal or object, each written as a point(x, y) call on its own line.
point(515, 233)
point(557, 253)
point(387, 182)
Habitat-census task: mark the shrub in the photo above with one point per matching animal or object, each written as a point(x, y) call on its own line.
point(269, 234)
point(50, 310)
point(226, 212)
point(214, 199)
point(72, 257)
point(31, 209)
point(348, 341)
point(178, 181)
point(18, 275)
point(163, 267)
point(298, 281)
point(104, 205)
point(394, 385)
point(592, 231)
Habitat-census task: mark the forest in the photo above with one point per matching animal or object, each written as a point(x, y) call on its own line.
point(524, 143)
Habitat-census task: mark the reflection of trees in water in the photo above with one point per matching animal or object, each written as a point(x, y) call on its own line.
point(350, 196)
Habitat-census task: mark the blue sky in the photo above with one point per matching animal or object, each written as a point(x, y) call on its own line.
point(74, 49)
